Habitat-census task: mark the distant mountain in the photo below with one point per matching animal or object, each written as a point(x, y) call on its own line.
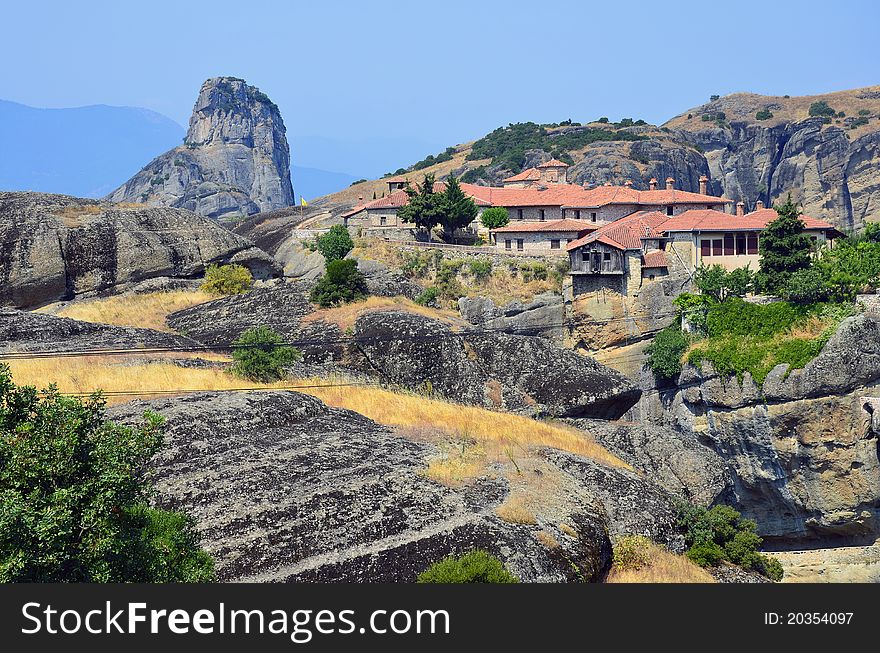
point(83, 151)
point(313, 182)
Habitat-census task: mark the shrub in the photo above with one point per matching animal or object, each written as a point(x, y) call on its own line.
point(335, 244)
point(232, 279)
point(807, 286)
point(706, 555)
point(74, 497)
point(665, 352)
point(260, 355)
point(764, 114)
point(738, 317)
point(821, 108)
point(473, 567)
point(712, 98)
point(415, 264)
point(495, 217)
point(631, 553)
point(342, 283)
point(480, 268)
point(428, 296)
point(539, 271)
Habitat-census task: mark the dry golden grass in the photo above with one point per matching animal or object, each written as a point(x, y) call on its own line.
point(568, 530)
point(346, 315)
point(147, 310)
point(516, 509)
point(547, 539)
point(72, 214)
point(663, 567)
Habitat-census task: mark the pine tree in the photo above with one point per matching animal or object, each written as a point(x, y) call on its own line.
point(425, 208)
point(459, 210)
point(784, 248)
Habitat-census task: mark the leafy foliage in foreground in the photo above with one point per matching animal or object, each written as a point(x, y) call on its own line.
point(474, 567)
point(73, 498)
point(335, 244)
point(260, 355)
point(342, 283)
point(232, 279)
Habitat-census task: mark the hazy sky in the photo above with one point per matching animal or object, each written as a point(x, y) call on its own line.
point(366, 87)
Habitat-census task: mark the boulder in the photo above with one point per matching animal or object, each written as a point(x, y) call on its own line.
point(283, 488)
point(543, 316)
point(58, 247)
point(387, 283)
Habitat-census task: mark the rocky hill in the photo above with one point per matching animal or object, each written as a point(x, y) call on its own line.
point(55, 247)
point(822, 149)
point(234, 161)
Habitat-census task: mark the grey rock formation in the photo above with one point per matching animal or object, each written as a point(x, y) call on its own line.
point(235, 159)
point(22, 331)
point(497, 370)
point(283, 488)
point(387, 283)
point(56, 247)
point(543, 316)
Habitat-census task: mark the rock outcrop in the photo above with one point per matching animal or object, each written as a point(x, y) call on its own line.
point(283, 488)
point(800, 451)
point(543, 316)
point(235, 159)
point(497, 370)
point(54, 247)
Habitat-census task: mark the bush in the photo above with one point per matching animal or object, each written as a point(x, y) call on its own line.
point(821, 108)
point(764, 114)
point(342, 283)
point(335, 244)
point(495, 217)
point(474, 567)
point(428, 296)
point(230, 279)
point(738, 317)
point(631, 553)
point(415, 264)
point(73, 496)
point(260, 355)
point(480, 268)
point(720, 533)
point(665, 352)
point(539, 271)
point(806, 286)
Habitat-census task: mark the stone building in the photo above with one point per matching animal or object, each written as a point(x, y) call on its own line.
point(540, 237)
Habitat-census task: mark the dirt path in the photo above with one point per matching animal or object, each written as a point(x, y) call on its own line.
point(848, 564)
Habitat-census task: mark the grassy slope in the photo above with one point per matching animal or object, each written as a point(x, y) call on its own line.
point(664, 567)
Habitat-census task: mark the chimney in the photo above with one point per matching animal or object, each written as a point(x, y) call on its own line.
point(628, 183)
point(670, 183)
point(652, 184)
point(759, 205)
point(607, 183)
point(704, 185)
point(360, 198)
point(740, 208)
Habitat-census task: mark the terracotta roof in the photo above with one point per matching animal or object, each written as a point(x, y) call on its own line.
point(393, 200)
point(625, 233)
point(655, 259)
point(396, 180)
point(399, 198)
point(553, 163)
point(553, 225)
point(353, 211)
point(529, 174)
point(707, 220)
point(604, 195)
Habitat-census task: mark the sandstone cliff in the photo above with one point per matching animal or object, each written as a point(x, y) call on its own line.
point(54, 247)
point(235, 159)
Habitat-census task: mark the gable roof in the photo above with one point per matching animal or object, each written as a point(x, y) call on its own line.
point(553, 225)
point(625, 233)
point(708, 220)
point(553, 163)
point(655, 259)
point(529, 174)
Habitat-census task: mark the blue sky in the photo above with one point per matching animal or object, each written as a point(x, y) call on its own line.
point(365, 87)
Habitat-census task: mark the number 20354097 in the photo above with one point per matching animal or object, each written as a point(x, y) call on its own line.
point(808, 618)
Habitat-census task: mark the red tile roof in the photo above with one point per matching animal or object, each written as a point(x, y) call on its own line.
point(655, 259)
point(626, 233)
point(553, 225)
point(707, 220)
point(399, 197)
point(529, 174)
point(353, 211)
point(553, 163)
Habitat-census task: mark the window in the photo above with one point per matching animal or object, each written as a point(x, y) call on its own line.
point(728, 245)
point(717, 247)
point(669, 209)
point(519, 244)
point(507, 244)
point(554, 244)
point(752, 244)
point(709, 207)
point(519, 214)
point(383, 221)
point(542, 215)
point(606, 256)
point(650, 277)
point(740, 244)
point(577, 214)
point(593, 216)
point(568, 240)
point(705, 247)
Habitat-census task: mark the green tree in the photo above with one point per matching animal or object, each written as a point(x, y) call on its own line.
point(425, 208)
point(259, 354)
point(665, 352)
point(232, 279)
point(342, 282)
point(495, 217)
point(807, 286)
point(784, 248)
point(459, 210)
point(335, 244)
point(73, 496)
point(473, 567)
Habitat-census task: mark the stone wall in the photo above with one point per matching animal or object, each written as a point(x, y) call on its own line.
point(535, 241)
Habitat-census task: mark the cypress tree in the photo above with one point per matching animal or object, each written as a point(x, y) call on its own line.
point(784, 248)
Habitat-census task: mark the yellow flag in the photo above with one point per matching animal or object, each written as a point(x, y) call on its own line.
point(302, 201)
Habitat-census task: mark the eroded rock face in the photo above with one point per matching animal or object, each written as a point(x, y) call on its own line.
point(800, 452)
point(543, 316)
point(283, 488)
point(497, 370)
point(54, 247)
point(235, 159)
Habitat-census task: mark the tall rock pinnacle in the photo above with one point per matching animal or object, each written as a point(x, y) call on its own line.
point(235, 159)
